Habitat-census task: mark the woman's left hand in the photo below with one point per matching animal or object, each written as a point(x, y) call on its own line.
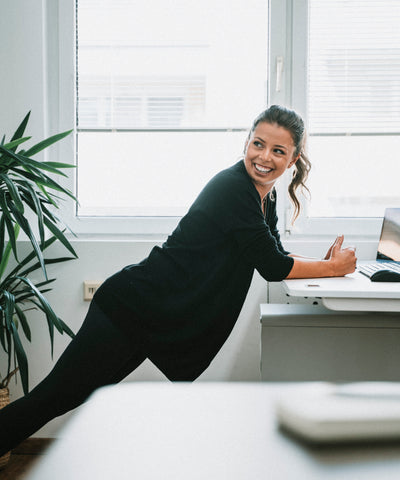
point(339, 238)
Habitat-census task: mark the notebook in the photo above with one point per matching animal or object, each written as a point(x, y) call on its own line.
point(388, 254)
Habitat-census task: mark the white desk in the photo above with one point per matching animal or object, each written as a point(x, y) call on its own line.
point(356, 338)
point(353, 292)
point(198, 431)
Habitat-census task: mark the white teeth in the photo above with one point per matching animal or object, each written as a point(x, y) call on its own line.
point(262, 169)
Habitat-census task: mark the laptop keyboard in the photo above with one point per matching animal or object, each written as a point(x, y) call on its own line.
point(370, 268)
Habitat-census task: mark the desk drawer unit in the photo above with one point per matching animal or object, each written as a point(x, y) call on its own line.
point(312, 343)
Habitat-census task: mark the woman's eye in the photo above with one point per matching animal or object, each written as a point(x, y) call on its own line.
point(278, 150)
point(258, 144)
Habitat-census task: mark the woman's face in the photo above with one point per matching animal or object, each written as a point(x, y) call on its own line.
point(269, 152)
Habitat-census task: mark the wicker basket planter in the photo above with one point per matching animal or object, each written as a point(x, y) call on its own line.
point(4, 400)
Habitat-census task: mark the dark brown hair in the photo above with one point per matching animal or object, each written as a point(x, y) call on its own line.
point(291, 121)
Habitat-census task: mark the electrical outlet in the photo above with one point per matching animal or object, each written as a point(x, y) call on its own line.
point(89, 289)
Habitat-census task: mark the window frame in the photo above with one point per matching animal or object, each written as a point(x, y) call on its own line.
point(287, 41)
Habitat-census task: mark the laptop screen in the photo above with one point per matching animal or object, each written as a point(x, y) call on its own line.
point(389, 243)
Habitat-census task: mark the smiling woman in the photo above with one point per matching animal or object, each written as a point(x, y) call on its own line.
point(178, 306)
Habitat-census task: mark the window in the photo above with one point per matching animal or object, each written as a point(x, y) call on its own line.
point(352, 104)
point(165, 93)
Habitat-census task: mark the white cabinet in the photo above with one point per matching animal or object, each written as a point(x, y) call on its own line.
point(310, 342)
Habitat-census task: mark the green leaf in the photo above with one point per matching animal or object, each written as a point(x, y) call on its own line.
point(2, 331)
point(59, 165)
point(2, 236)
point(12, 145)
point(44, 304)
point(24, 322)
point(22, 263)
point(49, 214)
point(24, 176)
point(39, 285)
point(32, 200)
point(32, 169)
point(8, 350)
point(8, 308)
point(21, 129)
point(9, 302)
point(50, 183)
point(9, 224)
point(24, 295)
point(66, 329)
point(13, 191)
point(59, 234)
point(47, 195)
point(47, 261)
point(28, 162)
point(22, 360)
point(6, 255)
point(24, 224)
point(41, 179)
point(46, 143)
point(3, 340)
point(50, 326)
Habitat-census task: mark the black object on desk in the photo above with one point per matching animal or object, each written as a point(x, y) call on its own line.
point(385, 276)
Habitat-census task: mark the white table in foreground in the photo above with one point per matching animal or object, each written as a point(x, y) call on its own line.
point(198, 431)
point(353, 292)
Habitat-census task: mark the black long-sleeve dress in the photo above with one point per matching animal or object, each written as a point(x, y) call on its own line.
point(183, 300)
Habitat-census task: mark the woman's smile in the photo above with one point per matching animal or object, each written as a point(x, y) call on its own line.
point(262, 169)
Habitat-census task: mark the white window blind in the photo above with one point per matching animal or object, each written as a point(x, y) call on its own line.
point(354, 66)
point(353, 107)
point(140, 102)
point(165, 92)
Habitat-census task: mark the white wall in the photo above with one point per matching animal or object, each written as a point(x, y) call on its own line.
point(22, 79)
point(23, 87)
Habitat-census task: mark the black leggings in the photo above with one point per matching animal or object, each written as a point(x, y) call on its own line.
point(99, 355)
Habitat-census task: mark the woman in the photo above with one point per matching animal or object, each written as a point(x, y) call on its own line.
point(178, 306)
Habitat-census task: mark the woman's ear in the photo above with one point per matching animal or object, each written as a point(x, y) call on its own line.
point(294, 160)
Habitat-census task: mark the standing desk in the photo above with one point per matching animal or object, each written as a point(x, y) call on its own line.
point(354, 292)
point(353, 336)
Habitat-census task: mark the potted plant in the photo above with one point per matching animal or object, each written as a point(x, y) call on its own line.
point(26, 186)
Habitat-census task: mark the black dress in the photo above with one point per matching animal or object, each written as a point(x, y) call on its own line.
point(183, 300)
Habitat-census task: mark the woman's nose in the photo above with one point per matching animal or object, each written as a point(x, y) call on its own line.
point(264, 155)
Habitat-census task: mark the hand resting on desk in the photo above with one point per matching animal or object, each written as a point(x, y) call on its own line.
point(337, 262)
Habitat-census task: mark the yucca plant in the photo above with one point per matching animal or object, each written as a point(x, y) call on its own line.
point(25, 186)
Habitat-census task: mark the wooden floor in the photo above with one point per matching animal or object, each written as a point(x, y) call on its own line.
point(24, 457)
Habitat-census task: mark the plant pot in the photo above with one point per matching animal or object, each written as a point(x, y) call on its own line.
point(4, 400)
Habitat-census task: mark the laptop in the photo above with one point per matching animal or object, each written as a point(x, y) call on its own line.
point(388, 254)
